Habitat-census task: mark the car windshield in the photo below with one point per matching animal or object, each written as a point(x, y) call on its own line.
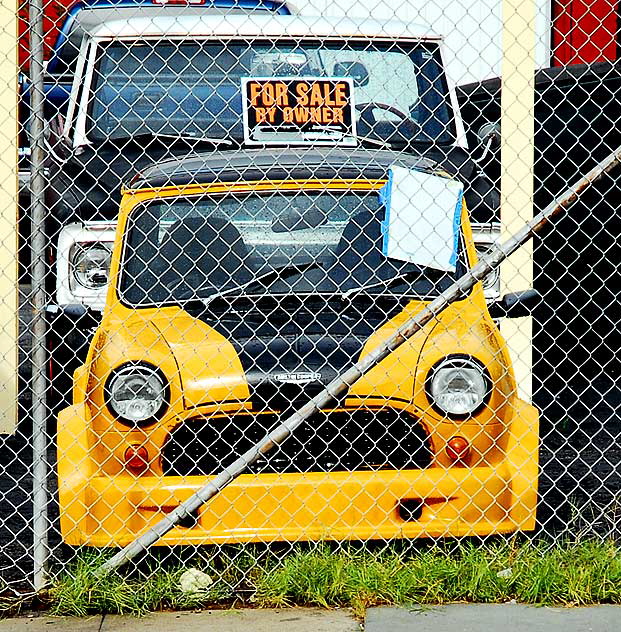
point(326, 242)
point(194, 88)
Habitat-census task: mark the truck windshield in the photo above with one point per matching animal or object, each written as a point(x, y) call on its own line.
point(193, 88)
point(323, 241)
point(82, 17)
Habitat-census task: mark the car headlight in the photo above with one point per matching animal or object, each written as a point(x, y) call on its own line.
point(458, 385)
point(137, 393)
point(90, 264)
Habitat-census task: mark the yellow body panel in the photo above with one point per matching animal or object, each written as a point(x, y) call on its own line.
point(457, 501)
point(103, 504)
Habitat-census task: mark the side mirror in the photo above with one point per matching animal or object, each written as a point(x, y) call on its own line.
point(354, 70)
point(54, 130)
point(57, 125)
point(516, 304)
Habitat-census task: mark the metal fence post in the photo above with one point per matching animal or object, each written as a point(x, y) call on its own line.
point(38, 297)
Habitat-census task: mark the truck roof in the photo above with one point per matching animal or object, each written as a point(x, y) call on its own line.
point(91, 16)
point(275, 164)
point(85, 17)
point(260, 25)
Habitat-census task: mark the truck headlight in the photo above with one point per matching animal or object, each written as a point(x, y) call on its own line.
point(491, 282)
point(458, 385)
point(90, 264)
point(137, 393)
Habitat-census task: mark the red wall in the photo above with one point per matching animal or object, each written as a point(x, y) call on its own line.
point(584, 31)
point(53, 16)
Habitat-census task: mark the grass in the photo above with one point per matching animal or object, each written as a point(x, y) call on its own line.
point(571, 574)
point(582, 573)
point(156, 587)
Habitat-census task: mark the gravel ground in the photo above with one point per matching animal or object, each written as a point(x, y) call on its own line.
point(580, 482)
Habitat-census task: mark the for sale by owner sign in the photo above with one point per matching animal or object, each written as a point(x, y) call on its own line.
point(301, 111)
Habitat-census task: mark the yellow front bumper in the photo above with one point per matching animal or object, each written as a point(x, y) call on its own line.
point(113, 510)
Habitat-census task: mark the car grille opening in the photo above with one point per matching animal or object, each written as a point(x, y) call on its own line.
point(332, 441)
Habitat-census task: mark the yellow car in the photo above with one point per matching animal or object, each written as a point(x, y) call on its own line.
point(239, 287)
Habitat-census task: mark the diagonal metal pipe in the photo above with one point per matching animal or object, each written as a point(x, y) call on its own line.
point(341, 384)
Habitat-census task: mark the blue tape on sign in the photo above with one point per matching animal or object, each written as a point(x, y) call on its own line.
point(456, 225)
point(385, 197)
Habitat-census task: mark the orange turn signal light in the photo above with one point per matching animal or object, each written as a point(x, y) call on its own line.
point(136, 458)
point(458, 449)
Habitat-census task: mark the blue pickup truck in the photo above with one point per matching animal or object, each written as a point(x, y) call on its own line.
point(82, 16)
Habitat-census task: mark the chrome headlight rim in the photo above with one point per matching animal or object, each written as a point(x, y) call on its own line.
point(137, 367)
point(491, 281)
point(459, 360)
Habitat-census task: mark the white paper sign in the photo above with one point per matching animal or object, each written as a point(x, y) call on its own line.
point(423, 216)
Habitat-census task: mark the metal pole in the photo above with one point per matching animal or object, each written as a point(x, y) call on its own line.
point(38, 300)
point(340, 385)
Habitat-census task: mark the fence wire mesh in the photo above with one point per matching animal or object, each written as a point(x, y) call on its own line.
point(245, 197)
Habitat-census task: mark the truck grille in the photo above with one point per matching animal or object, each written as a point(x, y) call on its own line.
point(350, 441)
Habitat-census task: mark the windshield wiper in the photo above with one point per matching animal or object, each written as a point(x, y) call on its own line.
point(163, 136)
point(386, 283)
point(263, 279)
point(196, 139)
point(367, 139)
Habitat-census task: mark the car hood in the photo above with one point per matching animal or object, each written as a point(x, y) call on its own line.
point(95, 175)
point(274, 362)
point(261, 363)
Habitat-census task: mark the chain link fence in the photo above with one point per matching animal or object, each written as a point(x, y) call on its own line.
point(224, 205)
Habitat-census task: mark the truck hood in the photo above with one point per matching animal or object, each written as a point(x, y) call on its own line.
point(87, 186)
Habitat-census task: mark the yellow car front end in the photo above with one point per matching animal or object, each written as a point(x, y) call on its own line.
point(388, 461)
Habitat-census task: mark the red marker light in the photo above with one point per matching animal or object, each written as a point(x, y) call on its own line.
point(457, 449)
point(136, 458)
